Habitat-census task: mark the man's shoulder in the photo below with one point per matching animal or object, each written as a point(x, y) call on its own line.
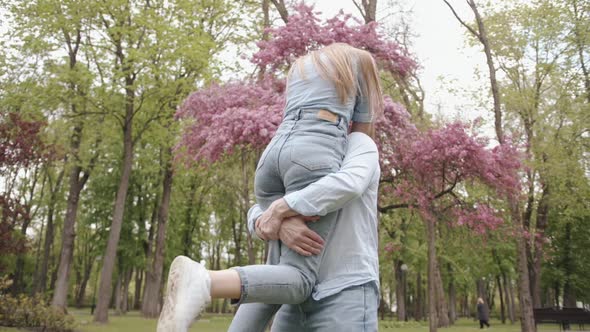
point(358, 139)
point(361, 141)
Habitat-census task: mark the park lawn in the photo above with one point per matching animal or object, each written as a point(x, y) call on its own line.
point(133, 322)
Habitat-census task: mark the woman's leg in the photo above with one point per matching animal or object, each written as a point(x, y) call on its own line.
point(253, 317)
point(225, 284)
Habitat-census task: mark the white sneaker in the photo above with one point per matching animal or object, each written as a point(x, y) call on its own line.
point(187, 294)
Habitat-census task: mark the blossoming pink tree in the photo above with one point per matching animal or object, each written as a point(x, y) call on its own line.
point(421, 170)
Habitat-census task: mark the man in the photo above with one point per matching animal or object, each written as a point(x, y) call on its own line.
point(346, 295)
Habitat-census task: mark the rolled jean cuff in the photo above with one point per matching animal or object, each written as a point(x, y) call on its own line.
point(243, 286)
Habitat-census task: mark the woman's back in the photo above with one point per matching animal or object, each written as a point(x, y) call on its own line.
point(308, 89)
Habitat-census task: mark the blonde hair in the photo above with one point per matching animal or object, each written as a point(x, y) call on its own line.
point(338, 67)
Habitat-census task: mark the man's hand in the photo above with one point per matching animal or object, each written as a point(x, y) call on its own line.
point(269, 223)
point(295, 234)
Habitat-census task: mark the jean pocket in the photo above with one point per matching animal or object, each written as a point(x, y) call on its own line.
point(316, 152)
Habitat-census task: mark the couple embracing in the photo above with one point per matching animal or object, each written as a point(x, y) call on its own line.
point(316, 188)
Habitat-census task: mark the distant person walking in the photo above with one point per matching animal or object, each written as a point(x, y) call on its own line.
point(483, 313)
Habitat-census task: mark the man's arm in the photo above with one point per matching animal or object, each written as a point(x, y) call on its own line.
point(253, 214)
point(294, 233)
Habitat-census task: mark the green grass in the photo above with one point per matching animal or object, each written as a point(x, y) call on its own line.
point(133, 322)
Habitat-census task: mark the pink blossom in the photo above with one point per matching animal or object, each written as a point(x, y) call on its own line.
point(304, 32)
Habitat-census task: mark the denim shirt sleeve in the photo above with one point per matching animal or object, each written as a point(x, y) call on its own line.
point(361, 111)
point(335, 190)
point(253, 214)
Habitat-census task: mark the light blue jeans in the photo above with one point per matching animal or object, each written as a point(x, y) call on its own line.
point(353, 309)
point(303, 150)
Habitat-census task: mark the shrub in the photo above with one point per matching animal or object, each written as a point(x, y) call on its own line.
point(32, 312)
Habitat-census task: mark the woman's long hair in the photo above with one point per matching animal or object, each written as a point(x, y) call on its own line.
point(336, 63)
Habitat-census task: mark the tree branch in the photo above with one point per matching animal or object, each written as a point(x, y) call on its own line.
point(475, 33)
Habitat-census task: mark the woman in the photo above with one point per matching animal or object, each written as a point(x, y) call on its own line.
point(326, 90)
point(483, 313)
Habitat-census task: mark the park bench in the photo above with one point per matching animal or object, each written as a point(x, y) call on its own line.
point(564, 317)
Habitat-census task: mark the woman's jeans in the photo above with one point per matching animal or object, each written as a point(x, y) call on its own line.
point(303, 150)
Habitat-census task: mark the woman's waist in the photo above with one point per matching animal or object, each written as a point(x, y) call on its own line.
point(313, 121)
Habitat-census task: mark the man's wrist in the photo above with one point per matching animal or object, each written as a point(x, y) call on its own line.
point(281, 209)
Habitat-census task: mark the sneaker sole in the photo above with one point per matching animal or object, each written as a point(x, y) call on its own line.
point(167, 321)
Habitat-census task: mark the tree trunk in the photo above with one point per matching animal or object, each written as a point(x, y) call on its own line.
point(432, 289)
point(483, 38)
point(441, 303)
point(580, 34)
point(481, 289)
point(41, 284)
point(282, 9)
point(418, 304)
point(400, 295)
point(19, 285)
point(106, 274)
point(368, 9)
point(452, 297)
point(189, 222)
point(542, 218)
point(150, 305)
point(118, 291)
point(83, 284)
point(569, 297)
point(137, 293)
point(501, 293)
point(527, 322)
point(76, 184)
point(245, 206)
point(125, 291)
point(510, 299)
point(149, 254)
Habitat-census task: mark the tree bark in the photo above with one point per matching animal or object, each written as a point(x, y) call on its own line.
point(419, 299)
point(432, 289)
point(501, 293)
point(282, 9)
point(527, 322)
point(441, 303)
point(150, 305)
point(482, 36)
point(125, 291)
point(510, 299)
point(542, 219)
point(41, 284)
point(400, 295)
point(579, 26)
point(452, 297)
point(76, 184)
point(82, 290)
point(19, 284)
point(569, 297)
point(106, 274)
point(137, 293)
point(368, 9)
point(118, 291)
